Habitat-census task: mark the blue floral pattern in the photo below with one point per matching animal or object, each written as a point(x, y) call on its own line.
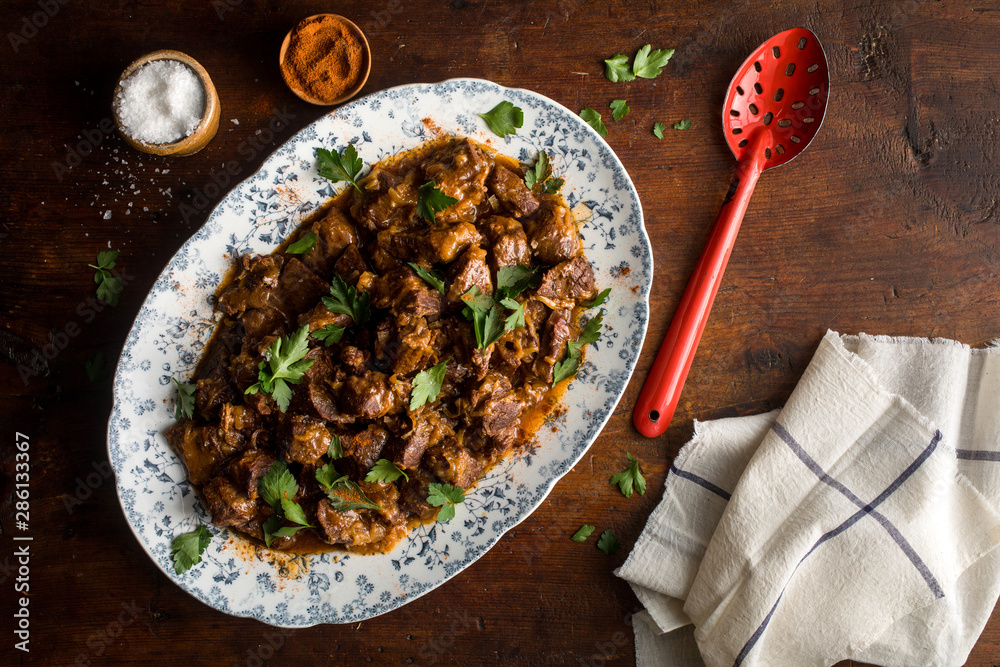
point(177, 319)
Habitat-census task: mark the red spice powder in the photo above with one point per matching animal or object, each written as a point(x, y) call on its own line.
point(324, 58)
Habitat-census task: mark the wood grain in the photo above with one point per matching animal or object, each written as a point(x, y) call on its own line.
point(889, 223)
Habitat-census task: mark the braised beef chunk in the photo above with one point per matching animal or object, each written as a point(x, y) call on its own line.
point(512, 192)
point(568, 284)
point(552, 234)
point(346, 391)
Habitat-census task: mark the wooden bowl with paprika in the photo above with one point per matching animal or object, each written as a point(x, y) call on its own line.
point(325, 59)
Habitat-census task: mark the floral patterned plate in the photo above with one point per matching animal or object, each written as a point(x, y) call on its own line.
point(177, 319)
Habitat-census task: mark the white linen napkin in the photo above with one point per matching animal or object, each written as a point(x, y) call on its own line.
point(859, 522)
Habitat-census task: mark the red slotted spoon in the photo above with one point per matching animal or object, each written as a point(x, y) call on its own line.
point(773, 109)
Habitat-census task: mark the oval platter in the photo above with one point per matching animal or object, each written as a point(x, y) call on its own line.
point(177, 319)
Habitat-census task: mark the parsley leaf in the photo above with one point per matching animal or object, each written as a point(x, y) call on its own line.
point(277, 485)
point(303, 245)
point(285, 357)
point(658, 129)
point(335, 450)
point(600, 298)
point(427, 385)
point(515, 319)
point(430, 200)
point(608, 543)
point(539, 172)
point(330, 334)
point(564, 369)
point(629, 478)
point(293, 512)
point(344, 166)
point(96, 366)
point(593, 119)
point(512, 280)
point(109, 287)
point(616, 68)
point(552, 185)
point(486, 317)
point(504, 118)
point(683, 125)
point(326, 475)
point(347, 495)
point(433, 279)
point(591, 332)
point(476, 301)
point(273, 528)
point(186, 549)
point(586, 530)
point(385, 470)
point(619, 109)
point(648, 63)
point(185, 400)
point(345, 299)
point(446, 497)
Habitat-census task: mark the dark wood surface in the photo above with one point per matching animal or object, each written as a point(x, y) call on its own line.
point(889, 224)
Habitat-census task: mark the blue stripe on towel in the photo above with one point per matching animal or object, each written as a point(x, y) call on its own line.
point(977, 455)
point(700, 481)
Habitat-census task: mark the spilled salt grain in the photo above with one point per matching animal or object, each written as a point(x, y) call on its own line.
point(161, 102)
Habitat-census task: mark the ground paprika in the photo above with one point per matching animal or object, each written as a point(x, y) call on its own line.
point(324, 58)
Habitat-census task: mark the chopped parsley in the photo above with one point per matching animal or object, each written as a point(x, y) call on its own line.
point(345, 494)
point(326, 475)
point(487, 318)
point(287, 366)
point(630, 478)
point(185, 400)
point(277, 488)
point(186, 549)
point(683, 125)
point(427, 385)
point(504, 118)
point(433, 279)
point(344, 166)
point(593, 119)
point(109, 287)
point(600, 298)
point(385, 470)
point(430, 200)
point(346, 299)
point(658, 129)
point(512, 280)
point(303, 245)
point(649, 62)
point(616, 68)
point(446, 497)
point(590, 334)
point(586, 530)
point(619, 109)
point(608, 543)
point(336, 449)
point(329, 334)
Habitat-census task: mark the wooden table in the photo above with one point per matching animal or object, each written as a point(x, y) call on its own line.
point(888, 224)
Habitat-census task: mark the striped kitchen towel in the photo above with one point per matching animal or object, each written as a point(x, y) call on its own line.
point(859, 522)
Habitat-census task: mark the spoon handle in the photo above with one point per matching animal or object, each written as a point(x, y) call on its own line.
point(658, 399)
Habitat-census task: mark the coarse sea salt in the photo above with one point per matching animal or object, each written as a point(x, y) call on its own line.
point(161, 102)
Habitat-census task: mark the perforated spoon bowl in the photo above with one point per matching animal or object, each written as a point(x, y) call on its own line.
point(773, 109)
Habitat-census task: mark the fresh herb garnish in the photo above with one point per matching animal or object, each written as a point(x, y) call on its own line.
point(616, 68)
point(186, 549)
point(658, 129)
point(504, 118)
point(185, 400)
point(109, 287)
point(336, 449)
point(630, 478)
point(326, 475)
point(683, 125)
point(344, 166)
point(385, 470)
point(539, 172)
point(329, 334)
point(619, 109)
point(433, 279)
point(567, 367)
point(593, 119)
point(346, 299)
point(277, 488)
point(486, 317)
point(430, 200)
point(347, 495)
point(303, 245)
point(512, 280)
point(600, 298)
point(649, 63)
point(96, 366)
point(552, 185)
point(446, 497)
point(515, 319)
point(608, 543)
point(590, 334)
point(287, 366)
point(586, 530)
point(427, 385)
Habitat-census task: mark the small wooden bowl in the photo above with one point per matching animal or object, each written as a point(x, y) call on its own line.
point(366, 63)
point(206, 129)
